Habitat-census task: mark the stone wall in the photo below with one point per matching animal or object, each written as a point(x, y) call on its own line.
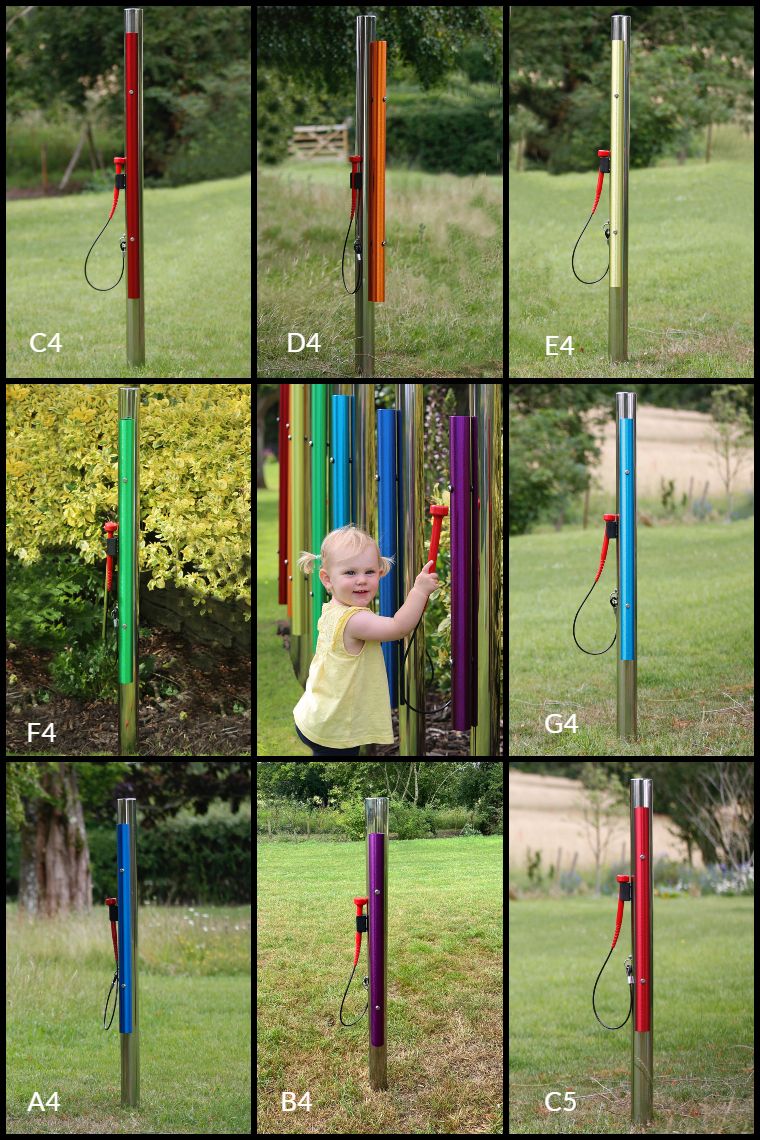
point(223, 624)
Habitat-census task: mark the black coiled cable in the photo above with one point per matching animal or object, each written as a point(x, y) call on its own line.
point(115, 982)
point(365, 983)
point(358, 252)
point(629, 972)
point(122, 244)
point(599, 652)
point(572, 259)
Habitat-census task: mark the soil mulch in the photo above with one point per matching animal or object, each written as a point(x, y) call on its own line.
point(208, 713)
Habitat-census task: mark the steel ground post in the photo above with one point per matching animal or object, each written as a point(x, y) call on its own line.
point(627, 578)
point(411, 559)
point(620, 146)
point(376, 819)
point(129, 568)
point(129, 1005)
point(364, 309)
point(370, 211)
point(642, 941)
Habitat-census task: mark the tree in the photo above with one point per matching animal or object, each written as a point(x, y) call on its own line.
point(604, 809)
point(163, 789)
point(54, 872)
point(54, 868)
point(691, 66)
point(722, 808)
point(197, 67)
point(306, 63)
point(315, 44)
point(733, 436)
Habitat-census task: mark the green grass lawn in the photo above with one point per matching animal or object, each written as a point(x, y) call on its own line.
point(690, 278)
point(445, 988)
point(197, 285)
point(444, 286)
point(703, 1026)
point(194, 1023)
point(695, 642)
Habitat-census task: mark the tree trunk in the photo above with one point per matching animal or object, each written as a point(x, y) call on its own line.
point(54, 872)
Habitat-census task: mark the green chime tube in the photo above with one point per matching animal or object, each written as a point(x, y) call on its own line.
point(129, 566)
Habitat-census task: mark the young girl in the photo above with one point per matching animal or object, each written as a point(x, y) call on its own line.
point(346, 701)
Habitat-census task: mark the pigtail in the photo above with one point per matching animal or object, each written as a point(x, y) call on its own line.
point(306, 562)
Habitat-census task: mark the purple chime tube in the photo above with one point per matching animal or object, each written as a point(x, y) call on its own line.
point(464, 575)
point(376, 818)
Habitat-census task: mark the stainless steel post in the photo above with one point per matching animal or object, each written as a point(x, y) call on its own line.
point(129, 1005)
point(486, 405)
point(411, 558)
point(642, 942)
point(364, 309)
point(129, 568)
point(376, 819)
point(620, 147)
point(627, 590)
point(133, 107)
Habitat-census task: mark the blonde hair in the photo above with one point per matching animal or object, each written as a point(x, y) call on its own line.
point(346, 541)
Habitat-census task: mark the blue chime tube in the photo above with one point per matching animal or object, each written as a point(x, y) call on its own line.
point(129, 1010)
point(627, 610)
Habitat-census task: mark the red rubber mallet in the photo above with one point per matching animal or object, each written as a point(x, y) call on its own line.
point(119, 163)
point(439, 514)
point(360, 905)
point(111, 903)
point(110, 528)
point(600, 179)
point(605, 544)
point(354, 159)
point(621, 900)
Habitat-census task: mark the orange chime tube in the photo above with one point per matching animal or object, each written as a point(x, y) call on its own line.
point(376, 180)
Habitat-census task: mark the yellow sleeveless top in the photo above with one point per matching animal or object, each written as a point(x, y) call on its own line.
point(346, 700)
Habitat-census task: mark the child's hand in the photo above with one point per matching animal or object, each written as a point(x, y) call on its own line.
point(427, 580)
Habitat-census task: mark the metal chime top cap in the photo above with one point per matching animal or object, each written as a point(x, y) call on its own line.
point(641, 793)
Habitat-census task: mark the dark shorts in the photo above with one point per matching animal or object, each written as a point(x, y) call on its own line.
point(322, 750)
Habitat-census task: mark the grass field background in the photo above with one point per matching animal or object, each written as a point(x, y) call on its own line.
point(695, 642)
point(444, 286)
point(195, 1028)
point(445, 988)
point(703, 1025)
point(197, 285)
point(690, 278)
